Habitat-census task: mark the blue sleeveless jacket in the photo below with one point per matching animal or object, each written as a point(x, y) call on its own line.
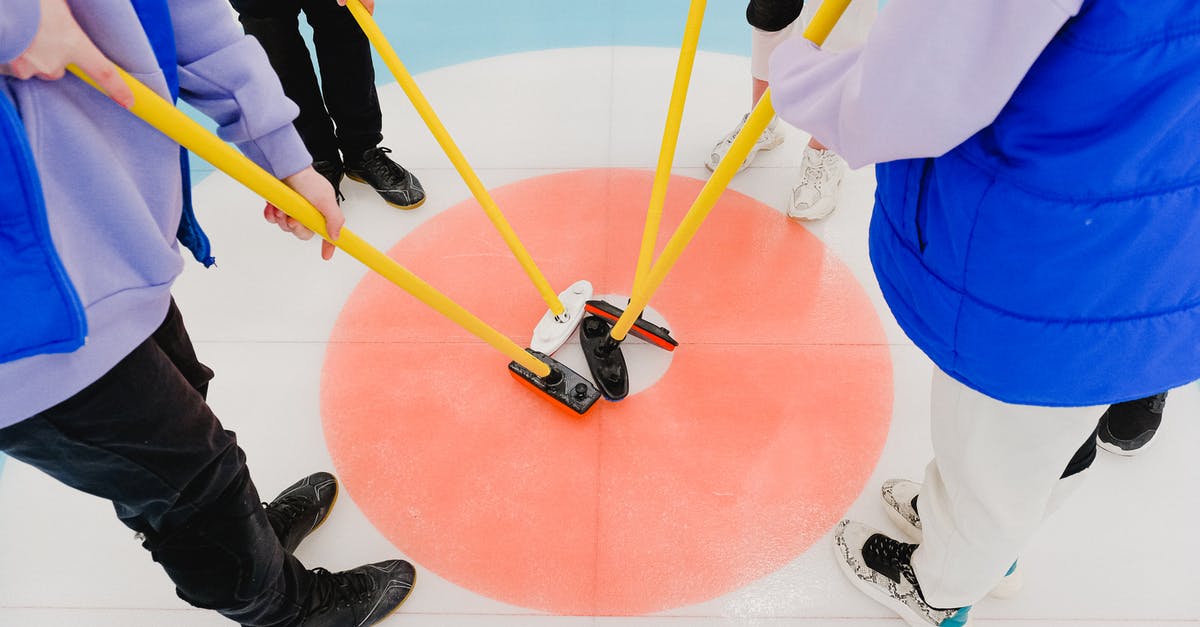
point(43, 312)
point(34, 280)
point(1054, 258)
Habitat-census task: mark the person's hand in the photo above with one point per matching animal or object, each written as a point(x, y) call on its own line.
point(60, 41)
point(369, 5)
point(317, 190)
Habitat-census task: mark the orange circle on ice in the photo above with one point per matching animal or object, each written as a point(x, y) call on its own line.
point(763, 431)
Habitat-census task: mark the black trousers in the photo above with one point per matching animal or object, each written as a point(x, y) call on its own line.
point(143, 437)
point(343, 112)
point(773, 15)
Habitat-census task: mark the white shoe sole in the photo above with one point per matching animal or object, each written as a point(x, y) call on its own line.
point(1116, 450)
point(877, 594)
point(818, 211)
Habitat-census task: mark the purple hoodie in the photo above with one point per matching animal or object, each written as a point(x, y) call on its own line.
point(112, 183)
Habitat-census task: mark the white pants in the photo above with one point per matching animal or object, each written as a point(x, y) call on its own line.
point(995, 476)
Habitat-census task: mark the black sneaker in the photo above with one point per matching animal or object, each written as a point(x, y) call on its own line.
point(1126, 428)
point(332, 171)
point(398, 186)
point(360, 597)
point(301, 508)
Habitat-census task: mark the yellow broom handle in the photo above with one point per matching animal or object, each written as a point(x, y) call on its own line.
point(371, 29)
point(827, 16)
point(160, 114)
point(754, 126)
point(666, 154)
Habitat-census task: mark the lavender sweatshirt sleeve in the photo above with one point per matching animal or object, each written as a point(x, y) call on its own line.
point(931, 74)
point(19, 20)
point(226, 75)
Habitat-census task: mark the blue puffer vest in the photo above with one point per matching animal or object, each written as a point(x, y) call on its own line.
point(1054, 258)
point(39, 310)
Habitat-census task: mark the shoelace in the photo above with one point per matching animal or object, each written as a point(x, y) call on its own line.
point(893, 559)
point(880, 550)
point(376, 159)
point(727, 142)
point(288, 508)
point(340, 590)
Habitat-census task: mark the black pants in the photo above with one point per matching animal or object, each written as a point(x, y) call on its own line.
point(773, 15)
point(143, 437)
point(346, 96)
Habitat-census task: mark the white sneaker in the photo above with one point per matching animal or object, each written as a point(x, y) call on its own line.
point(881, 567)
point(900, 503)
point(770, 138)
point(821, 174)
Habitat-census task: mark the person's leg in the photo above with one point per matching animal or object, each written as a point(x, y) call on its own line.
point(348, 81)
point(821, 171)
point(143, 437)
point(995, 476)
point(275, 24)
point(347, 77)
point(771, 22)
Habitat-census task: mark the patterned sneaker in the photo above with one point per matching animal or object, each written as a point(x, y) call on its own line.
point(882, 568)
point(770, 139)
point(398, 187)
point(1128, 428)
point(360, 597)
point(900, 503)
point(821, 173)
point(301, 508)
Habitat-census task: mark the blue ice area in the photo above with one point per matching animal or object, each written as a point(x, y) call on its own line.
point(431, 35)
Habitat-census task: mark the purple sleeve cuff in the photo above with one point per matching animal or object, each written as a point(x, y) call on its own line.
point(280, 152)
point(226, 75)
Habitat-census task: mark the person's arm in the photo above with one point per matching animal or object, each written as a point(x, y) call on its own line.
point(931, 74)
point(39, 38)
point(226, 75)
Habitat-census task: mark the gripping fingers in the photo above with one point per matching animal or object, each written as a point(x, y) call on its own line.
point(92, 61)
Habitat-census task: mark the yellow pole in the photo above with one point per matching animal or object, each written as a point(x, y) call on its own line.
point(826, 17)
point(666, 154)
point(425, 110)
point(160, 114)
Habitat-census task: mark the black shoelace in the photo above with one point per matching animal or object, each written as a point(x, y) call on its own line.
point(288, 508)
point(377, 161)
point(893, 559)
point(341, 590)
point(888, 557)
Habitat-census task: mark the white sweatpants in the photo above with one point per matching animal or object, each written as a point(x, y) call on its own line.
point(995, 476)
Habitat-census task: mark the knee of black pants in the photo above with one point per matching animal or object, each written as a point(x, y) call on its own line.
point(773, 15)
